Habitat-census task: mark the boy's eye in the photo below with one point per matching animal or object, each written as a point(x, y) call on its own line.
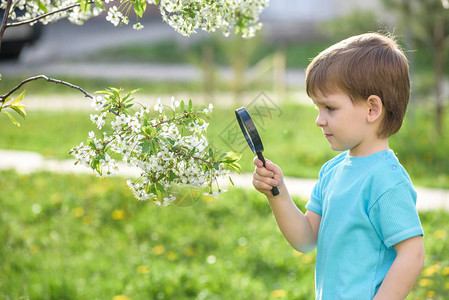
point(329, 108)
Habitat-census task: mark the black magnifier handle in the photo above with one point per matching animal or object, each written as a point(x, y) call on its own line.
point(274, 190)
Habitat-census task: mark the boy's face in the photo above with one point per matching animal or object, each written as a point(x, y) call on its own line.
point(344, 123)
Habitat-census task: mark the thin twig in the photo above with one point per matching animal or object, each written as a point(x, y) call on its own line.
point(45, 15)
point(57, 81)
point(171, 120)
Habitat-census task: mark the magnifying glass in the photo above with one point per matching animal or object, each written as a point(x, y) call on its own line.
point(252, 137)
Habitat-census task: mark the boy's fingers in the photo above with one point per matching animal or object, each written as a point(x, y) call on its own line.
point(269, 181)
point(264, 172)
point(269, 164)
point(258, 162)
point(261, 185)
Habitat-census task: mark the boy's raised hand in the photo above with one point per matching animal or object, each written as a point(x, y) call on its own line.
point(265, 178)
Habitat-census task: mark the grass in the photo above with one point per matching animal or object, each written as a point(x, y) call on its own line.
point(297, 55)
point(69, 237)
point(79, 237)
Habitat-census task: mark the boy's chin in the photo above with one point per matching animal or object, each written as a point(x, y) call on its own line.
point(338, 148)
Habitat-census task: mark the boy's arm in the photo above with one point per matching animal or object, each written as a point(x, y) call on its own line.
point(300, 230)
point(404, 271)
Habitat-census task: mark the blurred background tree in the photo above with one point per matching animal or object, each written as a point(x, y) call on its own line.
point(427, 22)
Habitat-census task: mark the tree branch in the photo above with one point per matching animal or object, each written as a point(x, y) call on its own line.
point(5, 20)
point(57, 81)
point(45, 15)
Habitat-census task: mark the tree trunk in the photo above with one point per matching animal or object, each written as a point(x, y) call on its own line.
point(209, 71)
point(438, 70)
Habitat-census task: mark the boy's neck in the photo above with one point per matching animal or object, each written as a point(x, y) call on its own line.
point(366, 149)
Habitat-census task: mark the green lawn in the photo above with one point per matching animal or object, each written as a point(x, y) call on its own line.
point(81, 237)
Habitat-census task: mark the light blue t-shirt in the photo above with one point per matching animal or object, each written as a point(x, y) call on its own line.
point(367, 204)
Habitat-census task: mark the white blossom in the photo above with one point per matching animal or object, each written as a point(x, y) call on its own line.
point(209, 109)
point(138, 26)
point(185, 16)
point(158, 106)
point(98, 120)
point(97, 102)
point(165, 153)
point(114, 16)
point(173, 103)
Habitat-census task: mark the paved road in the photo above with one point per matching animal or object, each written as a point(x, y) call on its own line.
point(28, 162)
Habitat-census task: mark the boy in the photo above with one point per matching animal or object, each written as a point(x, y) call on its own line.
point(361, 215)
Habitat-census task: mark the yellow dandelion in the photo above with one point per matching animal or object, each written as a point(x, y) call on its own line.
point(78, 212)
point(278, 294)
point(439, 234)
point(121, 297)
point(34, 249)
point(118, 214)
point(209, 198)
point(307, 259)
point(297, 253)
point(143, 269)
point(158, 250)
point(171, 255)
point(445, 271)
point(429, 271)
point(430, 294)
point(87, 220)
point(425, 282)
point(189, 251)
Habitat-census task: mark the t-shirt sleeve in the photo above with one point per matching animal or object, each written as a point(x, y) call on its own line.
point(315, 202)
point(394, 215)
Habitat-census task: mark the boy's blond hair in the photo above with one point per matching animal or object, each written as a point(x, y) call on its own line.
point(361, 66)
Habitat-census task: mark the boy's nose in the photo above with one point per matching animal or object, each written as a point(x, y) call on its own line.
point(320, 121)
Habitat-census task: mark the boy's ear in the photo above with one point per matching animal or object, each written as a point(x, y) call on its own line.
point(375, 108)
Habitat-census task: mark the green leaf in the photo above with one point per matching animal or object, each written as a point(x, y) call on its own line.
point(231, 157)
point(42, 7)
point(152, 189)
point(139, 7)
point(190, 105)
point(153, 145)
point(182, 106)
point(232, 182)
point(96, 165)
point(105, 92)
point(236, 167)
point(92, 144)
point(18, 99)
point(171, 175)
point(19, 109)
point(157, 2)
point(145, 147)
point(14, 121)
point(83, 5)
point(99, 4)
point(160, 188)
